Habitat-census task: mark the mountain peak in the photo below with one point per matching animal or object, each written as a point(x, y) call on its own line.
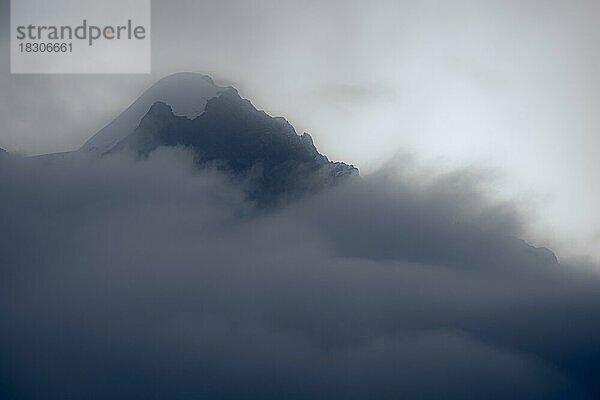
point(185, 77)
point(187, 93)
point(222, 129)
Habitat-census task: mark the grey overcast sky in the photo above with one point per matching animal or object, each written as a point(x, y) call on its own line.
point(511, 86)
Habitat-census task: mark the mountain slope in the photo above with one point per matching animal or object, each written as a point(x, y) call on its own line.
point(187, 93)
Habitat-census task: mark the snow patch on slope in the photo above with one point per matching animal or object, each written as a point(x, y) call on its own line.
point(186, 93)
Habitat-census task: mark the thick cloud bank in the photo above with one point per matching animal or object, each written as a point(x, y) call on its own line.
point(123, 280)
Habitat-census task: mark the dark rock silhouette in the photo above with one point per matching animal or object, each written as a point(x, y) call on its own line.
point(232, 135)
